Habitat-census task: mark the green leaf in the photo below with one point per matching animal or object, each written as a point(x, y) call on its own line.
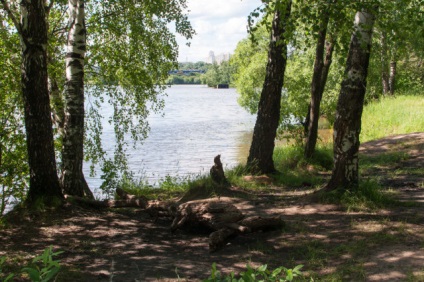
point(262, 268)
point(277, 271)
point(33, 273)
point(289, 275)
point(52, 273)
point(297, 269)
point(9, 277)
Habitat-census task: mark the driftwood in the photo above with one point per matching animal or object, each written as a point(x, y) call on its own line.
point(222, 218)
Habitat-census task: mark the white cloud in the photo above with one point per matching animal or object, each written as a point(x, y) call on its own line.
point(219, 24)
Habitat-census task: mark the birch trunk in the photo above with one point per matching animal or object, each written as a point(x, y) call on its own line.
point(347, 126)
point(44, 182)
point(72, 152)
point(392, 77)
point(265, 131)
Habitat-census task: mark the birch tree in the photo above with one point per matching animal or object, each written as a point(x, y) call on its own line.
point(132, 49)
point(32, 30)
point(347, 126)
point(72, 152)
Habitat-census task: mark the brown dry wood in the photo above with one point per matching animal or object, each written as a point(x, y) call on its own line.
point(223, 218)
point(213, 214)
point(219, 238)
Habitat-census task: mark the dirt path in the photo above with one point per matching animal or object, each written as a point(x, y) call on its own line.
point(127, 245)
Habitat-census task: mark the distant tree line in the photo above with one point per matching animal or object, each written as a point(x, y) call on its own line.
point(202, 73)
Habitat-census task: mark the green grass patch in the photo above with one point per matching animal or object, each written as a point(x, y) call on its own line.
point(293, 169)
point(390, 158)
point(392, 115)
point(169, 187)
point(291, 157)
point(369, 196)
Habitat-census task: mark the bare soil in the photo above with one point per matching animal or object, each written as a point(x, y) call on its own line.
point(129, 245)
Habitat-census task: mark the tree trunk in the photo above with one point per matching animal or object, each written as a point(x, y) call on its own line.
point(73, 151)
point(384, 64)
point(392, 77)
point(44, 182)
point(319, 79)
point(262, 147)
point(58, 111)
point(347, 126)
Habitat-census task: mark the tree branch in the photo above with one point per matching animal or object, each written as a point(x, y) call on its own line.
point(11, 16)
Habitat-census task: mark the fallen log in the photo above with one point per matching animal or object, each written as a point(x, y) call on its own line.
point(212, 214)
point(139, 202)
point(255, 223)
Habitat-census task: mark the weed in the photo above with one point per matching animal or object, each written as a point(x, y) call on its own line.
point(262, 273)
point(42, 269)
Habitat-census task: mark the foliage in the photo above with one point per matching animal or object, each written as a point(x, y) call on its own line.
point(43, 268)
point(200, 66)
point(184, 79)
point(249, 61)
point(262, 273)
point(188, 73)
point(218, 74)
point(10, 276)
point(129, 60)
point(14, 172)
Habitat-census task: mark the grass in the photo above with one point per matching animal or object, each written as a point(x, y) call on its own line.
point(401, 114)
point(370, 196)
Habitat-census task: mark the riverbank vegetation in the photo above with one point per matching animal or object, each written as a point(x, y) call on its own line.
point(293, 168)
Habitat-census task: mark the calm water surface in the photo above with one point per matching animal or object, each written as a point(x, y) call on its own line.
point(198, 123)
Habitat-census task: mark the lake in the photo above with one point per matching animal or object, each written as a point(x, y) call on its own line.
point(196, 124)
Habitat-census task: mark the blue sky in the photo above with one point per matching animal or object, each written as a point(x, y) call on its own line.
point(219, 25)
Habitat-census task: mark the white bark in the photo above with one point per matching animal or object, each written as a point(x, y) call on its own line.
point(347, 126)
point(72, 152)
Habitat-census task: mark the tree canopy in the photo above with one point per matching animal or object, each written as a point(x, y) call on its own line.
point(131, 47)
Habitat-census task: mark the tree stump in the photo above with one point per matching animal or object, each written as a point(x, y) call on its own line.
point(217, 172)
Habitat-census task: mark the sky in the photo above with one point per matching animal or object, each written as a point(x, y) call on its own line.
point(219, 25)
